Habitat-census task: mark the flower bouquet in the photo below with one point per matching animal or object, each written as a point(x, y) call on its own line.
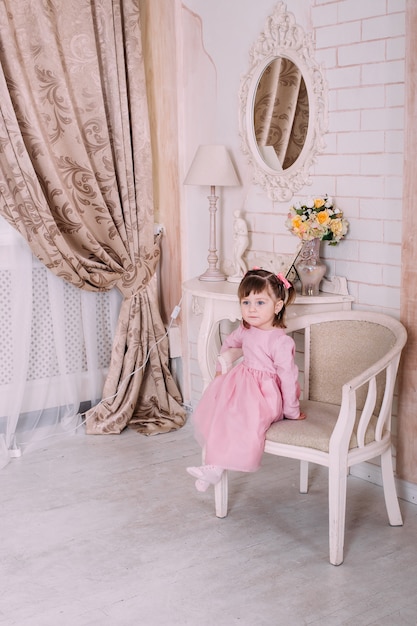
point(317, 218)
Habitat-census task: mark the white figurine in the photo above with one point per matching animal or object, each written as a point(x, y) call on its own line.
point(240, 244)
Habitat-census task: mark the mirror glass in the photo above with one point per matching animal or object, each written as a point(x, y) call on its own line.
point(281, 114)
point(283, 106)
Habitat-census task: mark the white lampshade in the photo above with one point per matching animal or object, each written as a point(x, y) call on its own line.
point(212, 166)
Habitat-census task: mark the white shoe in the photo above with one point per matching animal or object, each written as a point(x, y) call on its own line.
point(201, 485)
point(208, 473)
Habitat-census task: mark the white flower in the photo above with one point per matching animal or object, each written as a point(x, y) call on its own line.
point(310, 203)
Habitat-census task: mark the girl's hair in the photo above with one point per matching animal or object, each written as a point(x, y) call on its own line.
point(258, 280)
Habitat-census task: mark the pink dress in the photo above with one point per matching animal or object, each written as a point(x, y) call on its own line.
point(237, 408)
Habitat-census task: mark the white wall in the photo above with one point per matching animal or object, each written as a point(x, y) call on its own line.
point(360, 45)
point(361, 48)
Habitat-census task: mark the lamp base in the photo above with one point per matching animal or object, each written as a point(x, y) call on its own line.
point(213, 275)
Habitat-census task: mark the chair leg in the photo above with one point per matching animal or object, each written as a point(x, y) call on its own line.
point(303, 476)
point(337, 513)
point(221, 493)
point(390, 492)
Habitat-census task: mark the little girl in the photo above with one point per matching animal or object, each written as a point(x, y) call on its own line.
point(238, 407)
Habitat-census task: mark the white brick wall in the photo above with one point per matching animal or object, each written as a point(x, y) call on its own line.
point(361, 46)
point(364, 159)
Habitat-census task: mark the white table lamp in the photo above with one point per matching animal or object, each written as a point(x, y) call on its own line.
point(212, 166)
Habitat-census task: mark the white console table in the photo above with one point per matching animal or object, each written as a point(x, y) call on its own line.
point(217, 301)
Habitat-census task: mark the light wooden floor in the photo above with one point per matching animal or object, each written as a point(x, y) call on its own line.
point(109, 531)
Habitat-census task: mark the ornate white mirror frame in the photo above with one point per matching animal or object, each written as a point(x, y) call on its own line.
point(283, 38)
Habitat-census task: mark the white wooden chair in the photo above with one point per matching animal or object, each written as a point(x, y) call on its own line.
point(350, 366)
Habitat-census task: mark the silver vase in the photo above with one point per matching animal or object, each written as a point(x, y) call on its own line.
point(310, 268)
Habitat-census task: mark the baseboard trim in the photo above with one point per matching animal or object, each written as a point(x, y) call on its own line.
point(372, 473)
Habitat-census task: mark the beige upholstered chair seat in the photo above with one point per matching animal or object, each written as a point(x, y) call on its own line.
point(316, 431)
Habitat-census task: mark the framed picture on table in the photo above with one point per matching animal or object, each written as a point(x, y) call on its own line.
point(292, 274)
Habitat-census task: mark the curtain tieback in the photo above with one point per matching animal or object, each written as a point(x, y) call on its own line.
point(136, 278)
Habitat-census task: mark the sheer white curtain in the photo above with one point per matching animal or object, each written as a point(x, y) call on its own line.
point(55, 347)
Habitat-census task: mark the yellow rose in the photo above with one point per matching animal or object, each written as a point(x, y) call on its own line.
point(323, 218)
point(338, 228)
point(296, 222)
point(318, 203)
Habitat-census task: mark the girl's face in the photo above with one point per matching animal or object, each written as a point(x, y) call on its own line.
point(259, 309)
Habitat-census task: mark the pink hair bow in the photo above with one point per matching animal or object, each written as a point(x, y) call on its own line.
point(284, 281)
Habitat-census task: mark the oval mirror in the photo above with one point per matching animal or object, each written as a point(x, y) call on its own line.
point(280, 114)
point(283, 111)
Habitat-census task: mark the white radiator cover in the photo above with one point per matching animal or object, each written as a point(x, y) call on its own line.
point(45, 385)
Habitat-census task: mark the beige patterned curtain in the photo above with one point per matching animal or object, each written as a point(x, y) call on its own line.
point(281, 113)
point(76, 181)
